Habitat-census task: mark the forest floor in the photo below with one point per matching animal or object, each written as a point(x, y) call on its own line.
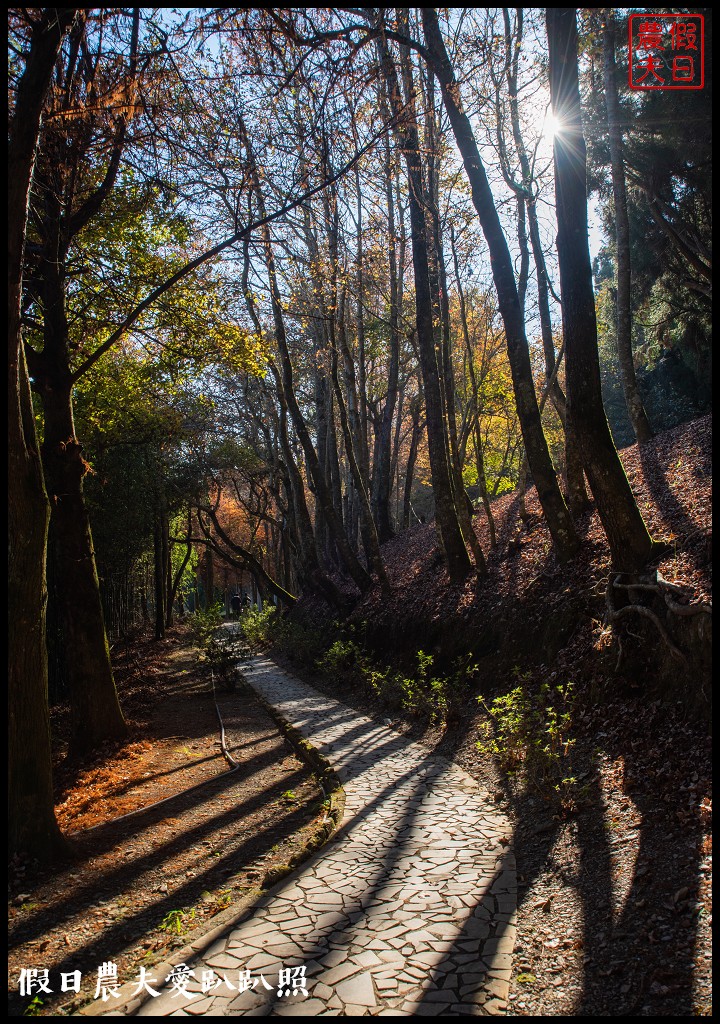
point(138, 888)
point(614, 900)
point(614, 881)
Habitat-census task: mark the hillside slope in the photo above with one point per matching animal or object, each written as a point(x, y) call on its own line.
point(615, 866)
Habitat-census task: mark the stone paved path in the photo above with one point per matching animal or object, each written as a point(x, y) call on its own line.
point(408, 910)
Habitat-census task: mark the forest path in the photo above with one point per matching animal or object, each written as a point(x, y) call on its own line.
point(408, 909)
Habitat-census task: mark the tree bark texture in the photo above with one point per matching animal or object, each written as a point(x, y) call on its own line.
point(380, 492)
point(96, 713)
point(630, 544)
point(475, 410)
point(623, 312)
point(32, 827)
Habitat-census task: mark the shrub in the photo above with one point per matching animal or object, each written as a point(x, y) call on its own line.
point(217, 650)
point(341, 656)
point(257, 626)
point(529, 734)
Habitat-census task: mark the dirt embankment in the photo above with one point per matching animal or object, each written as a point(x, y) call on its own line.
point(614, 884)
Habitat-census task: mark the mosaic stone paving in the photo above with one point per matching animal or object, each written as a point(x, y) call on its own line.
point(408, 910)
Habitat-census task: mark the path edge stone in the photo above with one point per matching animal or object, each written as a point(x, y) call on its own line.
point(127, 1005)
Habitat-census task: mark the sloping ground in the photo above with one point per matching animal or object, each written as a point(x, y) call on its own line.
point(529, 602)
point(614, 908)
point(614, 888)
point(139, 887)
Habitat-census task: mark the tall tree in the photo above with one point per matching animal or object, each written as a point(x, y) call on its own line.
point(69, 197)
point(382, 448)
point(559, 521)
point(630, 543)
point(623, 330)
point(403, 110)
point(527, 191)
point(31, 820)
point(320, 482)
point(441, 306)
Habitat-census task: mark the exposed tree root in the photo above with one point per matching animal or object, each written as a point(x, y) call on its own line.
point(652, 583)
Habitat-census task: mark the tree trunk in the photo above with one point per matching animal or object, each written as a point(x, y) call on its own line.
point(177, 579)
point(32, 827)
point(367, 525)
point(412, 457)
point(558, 518)
point(630, 543)
point(383, 436)
point(574, 478)
point(475, 414)
point(449, 533)
point(309, 563)
point(96, 713)
point(31, 824)
point(322, 491)
point(160, 576)
point(168, 609)
point(438, 284)
point(360, 324)
point(209, 580)
point(623, 322)
point(334, 318)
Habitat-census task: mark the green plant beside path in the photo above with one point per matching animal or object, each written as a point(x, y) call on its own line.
point(219, 651)
point(418, 689)
point(529, 733)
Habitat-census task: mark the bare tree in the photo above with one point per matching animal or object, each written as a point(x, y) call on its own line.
point(557, 515)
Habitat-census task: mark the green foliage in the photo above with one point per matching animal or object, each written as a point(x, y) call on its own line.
point(341, 656)
point(257, 626)
point(302, 645)
point(219, 653)
point(422, 692)
point(529, 734)
point(177, 922)
point(205, 624)
point(672, 373)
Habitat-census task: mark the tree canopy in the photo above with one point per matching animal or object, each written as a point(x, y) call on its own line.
point(286, 281)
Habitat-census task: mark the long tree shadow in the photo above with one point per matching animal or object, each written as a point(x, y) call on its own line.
point(387, 872)
point(119, 879)
point(656, 481)
point(363, 740)
point(388, 853)
point(616, 978)
point(620, 976)
point(115, 938)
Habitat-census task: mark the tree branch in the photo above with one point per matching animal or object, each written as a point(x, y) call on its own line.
point(198, 261)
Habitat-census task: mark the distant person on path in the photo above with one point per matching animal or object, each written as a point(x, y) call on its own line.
point(246, 602)
point(235, 605)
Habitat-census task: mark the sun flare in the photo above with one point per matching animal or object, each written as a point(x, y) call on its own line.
point(552, 125)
